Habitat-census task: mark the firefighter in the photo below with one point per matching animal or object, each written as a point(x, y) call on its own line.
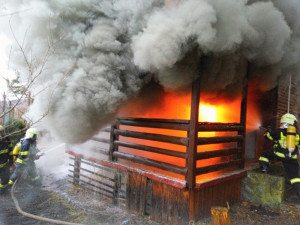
point(26, 157)
point(285, 149)
point(6, 159)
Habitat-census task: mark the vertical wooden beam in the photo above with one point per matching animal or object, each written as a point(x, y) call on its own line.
point(76, 175)
point(192, 146)
point(193, 135)
point(220, 216)
point(113, 137)
point(117, 186)
point(243, 116)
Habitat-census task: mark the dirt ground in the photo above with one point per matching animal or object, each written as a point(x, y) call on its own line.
point(62, 201)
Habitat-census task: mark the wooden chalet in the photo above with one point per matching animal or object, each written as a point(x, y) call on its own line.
point(171, 186)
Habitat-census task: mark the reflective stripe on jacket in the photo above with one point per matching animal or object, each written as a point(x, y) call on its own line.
point(278, 136)
point(27, 152)
point(5, 151)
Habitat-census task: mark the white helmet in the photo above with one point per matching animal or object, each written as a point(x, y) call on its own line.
point(288, 119)
point(1, 130)
point(31, 132)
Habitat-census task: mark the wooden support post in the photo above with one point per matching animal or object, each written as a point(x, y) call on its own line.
point(113, 137)
point(243, 115)
point(192, 146)
point(193, 135)
point(220, 216)
point(117, 186)
point(76, 175)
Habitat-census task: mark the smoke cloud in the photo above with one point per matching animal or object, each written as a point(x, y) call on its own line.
point(103, 52)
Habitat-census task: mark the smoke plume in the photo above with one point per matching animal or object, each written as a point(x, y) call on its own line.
point(99, 54)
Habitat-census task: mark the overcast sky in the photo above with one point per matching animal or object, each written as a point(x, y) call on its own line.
point(4, 47)
point(4, 42)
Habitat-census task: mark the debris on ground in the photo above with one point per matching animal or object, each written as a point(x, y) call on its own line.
point(61, 200)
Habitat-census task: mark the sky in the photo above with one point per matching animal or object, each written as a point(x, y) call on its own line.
point(4, 72)
point(5, 44)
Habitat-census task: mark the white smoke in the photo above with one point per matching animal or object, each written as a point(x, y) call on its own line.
point(104, 48)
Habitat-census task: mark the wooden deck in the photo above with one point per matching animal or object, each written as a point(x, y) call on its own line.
point(164, 198)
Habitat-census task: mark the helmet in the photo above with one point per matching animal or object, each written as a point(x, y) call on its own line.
point(288, 119)
point(1, 130)
point(31, 133)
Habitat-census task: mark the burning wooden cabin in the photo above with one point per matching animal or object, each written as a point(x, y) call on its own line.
point(174, 170)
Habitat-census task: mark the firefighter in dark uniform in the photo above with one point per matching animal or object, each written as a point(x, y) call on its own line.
point(6, 160)
point(285, 149)
point(26, 157)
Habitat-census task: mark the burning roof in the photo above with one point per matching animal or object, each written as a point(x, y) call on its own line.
point(101, 53)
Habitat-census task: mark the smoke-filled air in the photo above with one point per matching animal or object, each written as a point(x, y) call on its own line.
point(93, 56)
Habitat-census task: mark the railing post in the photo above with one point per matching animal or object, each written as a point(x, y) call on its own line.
point(243, 115)
point(76, 175)
point(117, 186)
point(113, 137)
point(193, 135)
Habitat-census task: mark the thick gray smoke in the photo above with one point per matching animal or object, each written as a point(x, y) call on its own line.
point(104, 50)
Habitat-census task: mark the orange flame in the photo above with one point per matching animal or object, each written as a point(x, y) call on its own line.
point(174, 106)
point(207, 113)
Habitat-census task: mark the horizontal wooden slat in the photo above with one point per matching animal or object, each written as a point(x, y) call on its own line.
point(156, 123)
point(97, 174)
point(91, 163)
point(107, 192)
point(150, 162)
point(151, 149)
point(107, 129)
point(220, 127)
point(216, 167)
point(94, 180)
point(101, 150)
point(217, 153)
point(153, 137)
point(103, 140)
point(220, 139)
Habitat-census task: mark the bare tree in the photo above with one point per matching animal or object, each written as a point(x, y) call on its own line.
point(20, 90)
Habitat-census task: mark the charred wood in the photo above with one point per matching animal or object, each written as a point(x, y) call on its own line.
point(220, 127)
point(156, 123)
point(150, 162)
point(153, 137)
point(220, 166)
point(151, 149)
point(217, 153)
point(222, 139)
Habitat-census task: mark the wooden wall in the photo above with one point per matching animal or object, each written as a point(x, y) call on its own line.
point(171, 205)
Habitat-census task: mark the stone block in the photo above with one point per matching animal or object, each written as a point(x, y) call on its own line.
point(263, 189)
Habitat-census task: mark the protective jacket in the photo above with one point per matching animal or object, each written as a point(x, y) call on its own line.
point(27, 152)
point(25, 162)
point(279, 136)
point(6, 159)
point(281, 153)
point(6, 156)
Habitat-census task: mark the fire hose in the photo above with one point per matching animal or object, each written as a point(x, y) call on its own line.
point(35, 216)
